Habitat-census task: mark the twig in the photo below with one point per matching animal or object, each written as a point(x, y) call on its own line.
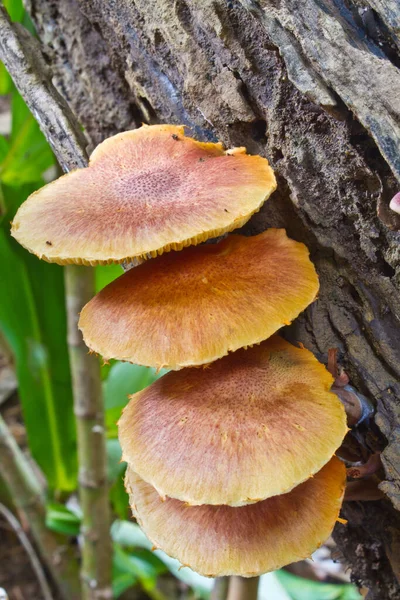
point(28, 498)
point(35, 562)
point(24, 61)
point(88, 407)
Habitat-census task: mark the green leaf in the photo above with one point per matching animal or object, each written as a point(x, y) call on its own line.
point(32, 309)
point(121, 581)
point(15, 9)
point(33, 320)
point(114, 466)
point(29, 155)
point(119, 498)
point(123, 576)
point(124, 379)
point(62, 520)
point(129, 535)
point(143, 566)
point(299, 588)
point(4, 148)
point(105, 274)
point(115, 473)
point(6, 83)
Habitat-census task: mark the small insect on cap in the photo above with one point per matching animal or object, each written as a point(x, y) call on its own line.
point(254, 424)
point(192, 307)
point(145, 192)
point(246, 540)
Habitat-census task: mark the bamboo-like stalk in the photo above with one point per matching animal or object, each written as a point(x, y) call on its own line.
point(28, 498)
point(242, 588)
point(88, 408)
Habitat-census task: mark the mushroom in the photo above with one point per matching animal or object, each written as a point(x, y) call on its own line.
point(254, 424)
point(145, 192)
point(192, 307)
point(395, 203)
point(246, 540)
point(248, 439)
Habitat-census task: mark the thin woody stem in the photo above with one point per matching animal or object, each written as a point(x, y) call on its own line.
point(88, 408)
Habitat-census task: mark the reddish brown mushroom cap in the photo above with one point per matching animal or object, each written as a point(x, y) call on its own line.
point(247, 540)
point(252, 425)
point(146, 191)
point(395, 203)
point(191, 307)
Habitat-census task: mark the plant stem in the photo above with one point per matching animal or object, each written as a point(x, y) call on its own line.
point(220, 589)
point(243, 588)
point(24, 540)
point(28, 498)
point(88, 408)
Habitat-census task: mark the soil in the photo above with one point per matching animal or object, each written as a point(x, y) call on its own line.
point(16, 574)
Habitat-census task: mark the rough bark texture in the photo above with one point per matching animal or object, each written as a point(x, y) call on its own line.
point(315, 87)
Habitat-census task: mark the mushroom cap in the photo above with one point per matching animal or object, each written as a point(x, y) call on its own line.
point(395, 203)
point(145, 192)
point(192, 307)
point(254, 424)
point(246, 540)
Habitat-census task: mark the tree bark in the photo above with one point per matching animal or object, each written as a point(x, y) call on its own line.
point(314, 87)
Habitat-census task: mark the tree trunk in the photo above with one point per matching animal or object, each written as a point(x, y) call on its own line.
point(314, 87)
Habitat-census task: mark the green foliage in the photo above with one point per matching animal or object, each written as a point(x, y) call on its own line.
point(15, 9)
point(123, 379)
point(32, 311)
point(62, 520)
point(106, 274)
point(136, 566)
point(129, 536)
point(299, 588)
point(29, 155)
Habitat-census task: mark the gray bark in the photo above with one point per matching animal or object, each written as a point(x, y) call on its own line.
point(314, 87)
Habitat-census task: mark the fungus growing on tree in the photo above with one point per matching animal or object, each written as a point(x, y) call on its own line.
point(192, 307)
point(254, 424)
point(145, 192)
point(247, 440)
point(246, 540)
point(395, 203)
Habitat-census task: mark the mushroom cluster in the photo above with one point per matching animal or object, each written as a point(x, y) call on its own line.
point(231, 465)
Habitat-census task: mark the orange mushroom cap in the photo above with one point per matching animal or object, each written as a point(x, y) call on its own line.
point(254, 424)
point(246, 540)
point(191, 307)
point(145, 192)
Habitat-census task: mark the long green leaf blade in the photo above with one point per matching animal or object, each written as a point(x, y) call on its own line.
point(32, 318)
